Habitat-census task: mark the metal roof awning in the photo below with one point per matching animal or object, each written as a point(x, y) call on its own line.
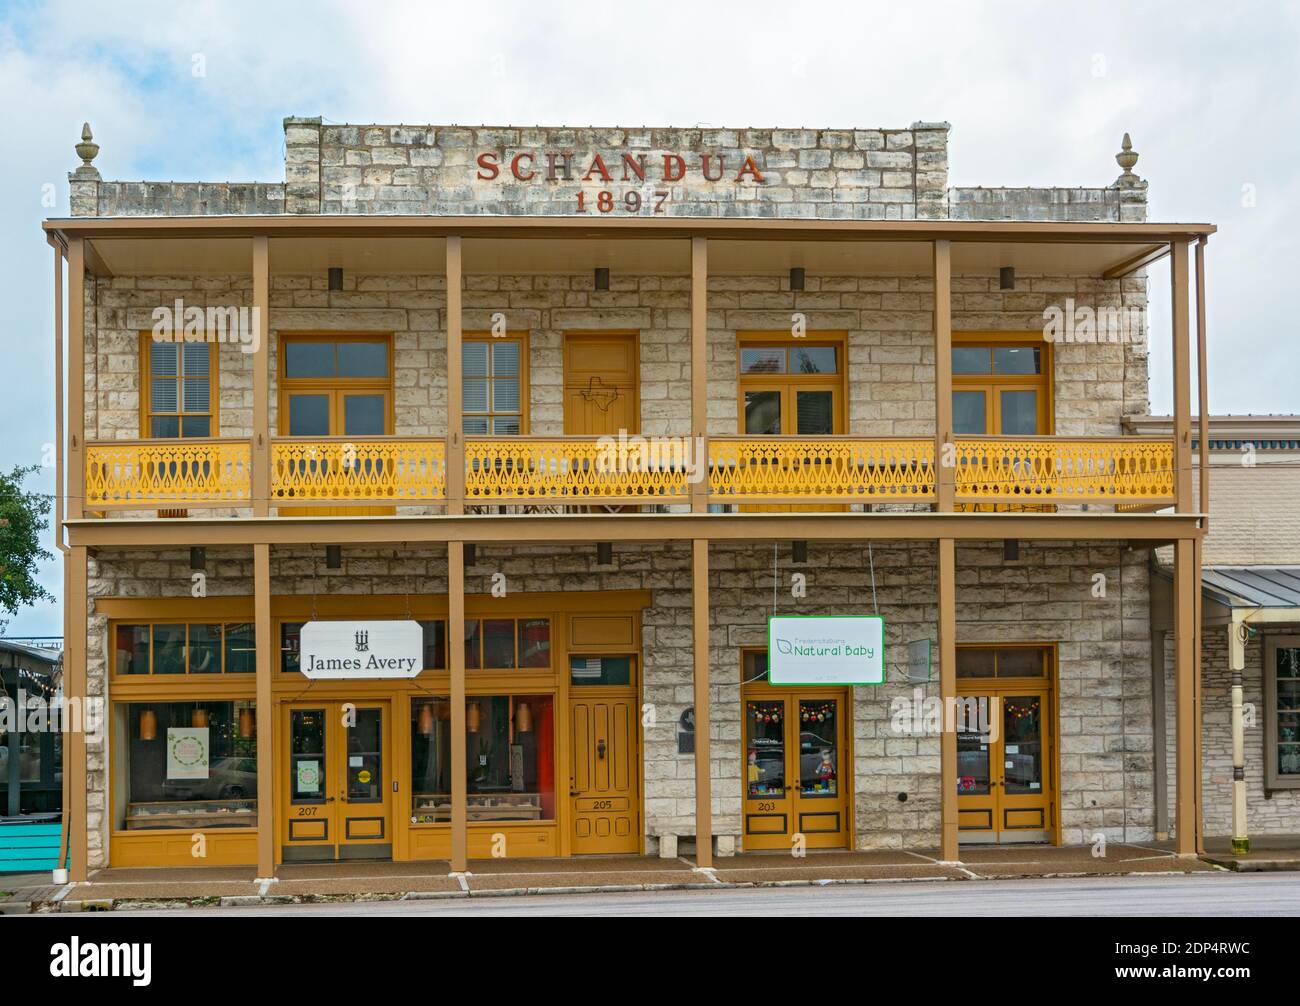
point(1253, 586)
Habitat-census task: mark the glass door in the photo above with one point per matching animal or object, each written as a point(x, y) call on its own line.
point(820, 803)
point(769, 810)
point(366, 793)
point(310, 829)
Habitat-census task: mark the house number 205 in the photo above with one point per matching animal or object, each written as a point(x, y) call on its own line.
point(632, 201)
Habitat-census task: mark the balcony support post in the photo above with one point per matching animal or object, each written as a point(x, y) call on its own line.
point(76, 471)
point(260, 457)
point(455, 387)
point(456, 662)
point(700, 650)
point(699, 370)
point(264, 714)
point(944, 445)
point(76, 729)
point(1182, 378)
point(1187, 642)
point(1203, 383)
point(947, 583)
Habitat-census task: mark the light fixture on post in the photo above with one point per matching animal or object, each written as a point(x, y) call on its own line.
point(198, 559)
point(602, 277)
point(799, 552)
point(604, 553)
point(333, 556)
point(797, 278)
point(148, 725)
point(1007, 278)
point(1011, 550)
point(336, 278)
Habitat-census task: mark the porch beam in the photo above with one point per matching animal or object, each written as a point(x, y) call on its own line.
point(947, 589)
point(265, 711)
point(1142, 528)
point(456, 667)
point(261, 450)
point(700, 650)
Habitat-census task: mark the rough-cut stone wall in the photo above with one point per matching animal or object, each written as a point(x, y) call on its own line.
point(888, 320)
point(1045, 596)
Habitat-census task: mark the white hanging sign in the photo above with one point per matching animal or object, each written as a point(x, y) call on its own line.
point(376, 649)
point(832, 650)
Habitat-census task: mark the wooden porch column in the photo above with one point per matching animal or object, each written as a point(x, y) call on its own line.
point(1203, 436)
point(455, 482)
point(947, 581)
point(76, 471)
point(265, 712)
point(700, 366)
point(1182, 377)
point(1187, 640)
point(261, 455)
point(74, 691)
point(700, 648)
point(455, 388)
point(945, 474)
point(456, 661)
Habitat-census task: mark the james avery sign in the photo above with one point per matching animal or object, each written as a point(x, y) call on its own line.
point(807, 650)
point(362, 649)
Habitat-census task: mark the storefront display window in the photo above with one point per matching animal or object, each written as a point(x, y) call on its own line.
point(510, 758)
point(178, 648)
point(1282, 705)
point(188, 765)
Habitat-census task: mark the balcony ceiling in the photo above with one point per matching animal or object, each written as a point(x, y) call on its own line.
point(117, 248)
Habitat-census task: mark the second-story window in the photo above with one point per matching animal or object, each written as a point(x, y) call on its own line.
point(495, 387)
point(788, 387)
point(179, 393)
point(1000, 388)
point(336, 386)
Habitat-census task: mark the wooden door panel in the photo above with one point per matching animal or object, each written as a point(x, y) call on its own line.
point(606, 813)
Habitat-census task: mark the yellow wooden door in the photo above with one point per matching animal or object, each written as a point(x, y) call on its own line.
point(1006, 788)
point(603, 774)
point(768, 792)
point(821, 786)
point(337, 770)
point(601, 385)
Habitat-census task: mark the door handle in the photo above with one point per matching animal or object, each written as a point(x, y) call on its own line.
point(600, 750)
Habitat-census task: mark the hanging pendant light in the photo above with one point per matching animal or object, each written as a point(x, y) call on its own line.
point(426, 718)
point(523, 718)
point(247, 723)
point(199, 718)
point(473, 718)
point(148, 725)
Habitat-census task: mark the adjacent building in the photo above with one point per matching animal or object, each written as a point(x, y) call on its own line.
point(550, 492)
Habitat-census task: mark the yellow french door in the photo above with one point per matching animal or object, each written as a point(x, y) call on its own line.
point(605, 755)
point(797, 777)
point(1006, 759)
point(337, 772)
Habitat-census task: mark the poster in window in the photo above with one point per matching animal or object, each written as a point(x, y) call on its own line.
point(187, 752)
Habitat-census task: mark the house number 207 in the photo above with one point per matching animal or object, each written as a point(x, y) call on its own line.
point(632, 201)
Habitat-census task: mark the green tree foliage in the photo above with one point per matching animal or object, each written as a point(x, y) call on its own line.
point(22, 519)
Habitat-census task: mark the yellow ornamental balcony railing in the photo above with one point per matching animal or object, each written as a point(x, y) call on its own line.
point(1065, 470)
point(167, 473)
point(818, 469)
point(612, 470)
point(344, 470)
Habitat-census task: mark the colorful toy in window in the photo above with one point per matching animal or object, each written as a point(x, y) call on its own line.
point(966, 784)
point(826, 770)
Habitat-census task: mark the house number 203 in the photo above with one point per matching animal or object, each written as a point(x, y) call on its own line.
point(632, 201)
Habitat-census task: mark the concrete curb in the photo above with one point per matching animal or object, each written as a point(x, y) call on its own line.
point(256, 900)
point(1253, 865)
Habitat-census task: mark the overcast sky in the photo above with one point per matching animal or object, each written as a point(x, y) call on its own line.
point(1036, 95)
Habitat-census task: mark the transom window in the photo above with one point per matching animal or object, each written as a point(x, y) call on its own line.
point(1002, 662)
point(494, 386)
point(335, 358)
point(179, 394)
point(493, 644)
point(809, 359)
point(185, 648)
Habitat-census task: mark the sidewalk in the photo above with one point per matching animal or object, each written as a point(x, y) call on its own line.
point(375, 881)
point(1267, 854)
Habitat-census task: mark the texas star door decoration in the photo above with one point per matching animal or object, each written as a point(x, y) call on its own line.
point(367, 650)
point(835, 650)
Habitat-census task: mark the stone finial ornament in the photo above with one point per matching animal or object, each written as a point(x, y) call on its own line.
point(86, 150)
point(1126, 158)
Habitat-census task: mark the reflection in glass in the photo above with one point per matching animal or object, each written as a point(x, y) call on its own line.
point(971, 360)
point(1017, 360)
point(972, 716)
point(762, 360)
point(169, 649)
point(765, 742)
point(818, 747)
point(968, 413)
point(813, 360)
point(815, 412)
point(763, 412)
point(307, 756)
point(1022, 745)
point(364, 746)
point(1019, 413)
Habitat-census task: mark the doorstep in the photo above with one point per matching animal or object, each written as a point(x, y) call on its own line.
point(372, 881)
